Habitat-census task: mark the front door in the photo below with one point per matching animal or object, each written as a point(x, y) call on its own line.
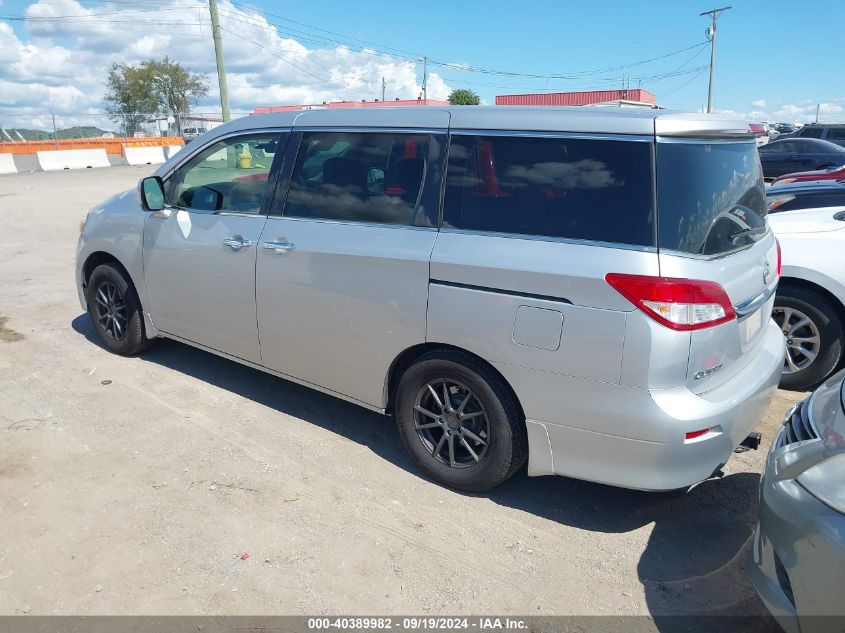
point(342, 277)
point(199, 252)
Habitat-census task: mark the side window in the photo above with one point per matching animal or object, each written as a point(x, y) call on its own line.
point(380, 177)
point(811, 132)
point(781, 147)
point(228, 176)
point(836, 135)
point(597, 190)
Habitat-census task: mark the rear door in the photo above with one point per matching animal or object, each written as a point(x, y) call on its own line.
point(342, 271)
point(712, 226)
point(531, 225)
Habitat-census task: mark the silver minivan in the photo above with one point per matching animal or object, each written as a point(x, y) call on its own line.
point(587, 290)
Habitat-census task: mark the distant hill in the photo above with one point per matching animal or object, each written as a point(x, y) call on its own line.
point(85, 131)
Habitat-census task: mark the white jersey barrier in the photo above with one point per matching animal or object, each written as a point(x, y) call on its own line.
point(143, 155)
point(7, 164)
point(170, 150)
point(56, 160)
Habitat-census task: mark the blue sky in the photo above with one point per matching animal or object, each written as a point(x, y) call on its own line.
point(775, 59)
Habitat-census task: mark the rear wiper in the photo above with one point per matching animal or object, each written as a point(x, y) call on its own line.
point(755, 230)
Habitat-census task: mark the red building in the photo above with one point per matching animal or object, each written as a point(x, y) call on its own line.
point(632, 97)
point(351, 104)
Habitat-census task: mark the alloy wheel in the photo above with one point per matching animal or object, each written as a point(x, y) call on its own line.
point(802, 338)
point(451, 423)
point(111, 310)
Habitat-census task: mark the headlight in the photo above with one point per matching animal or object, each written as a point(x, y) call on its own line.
point(826, 481)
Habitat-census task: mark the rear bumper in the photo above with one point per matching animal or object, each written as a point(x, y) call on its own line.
point(634, 438)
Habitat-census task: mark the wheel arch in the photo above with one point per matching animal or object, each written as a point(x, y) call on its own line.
point(98, 258)
point(409, 356)
point(797, 282)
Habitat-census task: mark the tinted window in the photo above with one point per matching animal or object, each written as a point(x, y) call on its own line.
point(229, 175)
point(388, 178)
point(784, 147)
point(556, 187)
point(710, 197)
point(811, 132)
point(836, 133)
point(789, 202)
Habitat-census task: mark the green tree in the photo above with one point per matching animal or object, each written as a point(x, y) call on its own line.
point(159, 86)
point(130, 99)
point(462, 96)
point(175, 87)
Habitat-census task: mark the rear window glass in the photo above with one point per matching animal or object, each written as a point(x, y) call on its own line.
point(710, 197)
point(598, 190)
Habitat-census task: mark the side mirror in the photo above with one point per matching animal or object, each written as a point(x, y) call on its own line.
point(152, 193)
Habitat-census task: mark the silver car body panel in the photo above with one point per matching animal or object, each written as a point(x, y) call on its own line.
point(608, 393)
point(799, 544)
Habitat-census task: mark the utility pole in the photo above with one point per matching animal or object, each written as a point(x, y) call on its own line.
point(711, 35)
point(218, 54)
point(818, 105)
point(383, 84)
point(425, 79)
point(55, 134)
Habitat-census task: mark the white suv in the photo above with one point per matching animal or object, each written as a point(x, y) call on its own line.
point(810, 302)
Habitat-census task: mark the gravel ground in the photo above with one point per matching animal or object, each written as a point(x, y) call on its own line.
point(181, 483)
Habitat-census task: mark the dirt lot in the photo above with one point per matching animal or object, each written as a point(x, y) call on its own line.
point(138, 486)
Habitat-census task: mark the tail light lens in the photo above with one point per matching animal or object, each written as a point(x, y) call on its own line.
point(679, 304)
point(780, 258)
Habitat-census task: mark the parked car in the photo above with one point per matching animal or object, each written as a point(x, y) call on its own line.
point(812, 194)
point(833, 132)
point(190, 133)
point(810, 301)
point(783, 156)
point(506, 304)
point(783, 128)
point(831, 173)
point(799, 544)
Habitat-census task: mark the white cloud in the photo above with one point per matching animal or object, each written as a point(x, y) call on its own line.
point(803, 111)
point(759, 103)
point(62, 63)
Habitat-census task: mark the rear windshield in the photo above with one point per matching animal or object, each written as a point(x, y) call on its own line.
point(710, 197)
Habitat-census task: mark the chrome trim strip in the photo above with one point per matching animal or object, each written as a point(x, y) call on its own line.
point(747, 307)
point(371, 129)
point(701, 139)
point(353, 222)
point(607, 136)
point(545, 238)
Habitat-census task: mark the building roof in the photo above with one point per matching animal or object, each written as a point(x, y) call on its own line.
point(588, 97)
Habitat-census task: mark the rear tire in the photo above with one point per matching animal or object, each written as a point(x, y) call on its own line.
point(450, 397)
point(814, 337)
point(115, 311)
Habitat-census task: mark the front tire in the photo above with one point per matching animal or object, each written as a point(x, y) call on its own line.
point(460, 421)
point(115, 311)
point(814, 337)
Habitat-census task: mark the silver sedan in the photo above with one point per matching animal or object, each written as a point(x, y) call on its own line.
point(799, 548)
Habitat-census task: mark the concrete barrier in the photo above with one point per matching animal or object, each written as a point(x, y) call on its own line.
point(7, 164)
point(170, 150)
point(56, 160)
point(143, 155)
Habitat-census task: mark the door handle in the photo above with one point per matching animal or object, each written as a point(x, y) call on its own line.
point(279, 247)
point(236, 242)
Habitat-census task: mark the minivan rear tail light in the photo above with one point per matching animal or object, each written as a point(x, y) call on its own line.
point(679, 304)
point(779, 267)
